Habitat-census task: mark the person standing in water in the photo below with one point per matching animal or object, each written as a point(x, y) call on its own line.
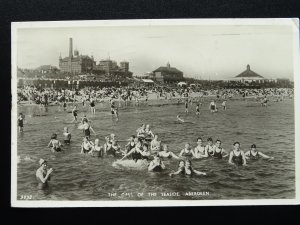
point(236, 156)
point(21, 119)
point(87, 146)
point(209, 148)
point(67, 136)
point(56, 145)
point(253, 154)
point(165, 153)
point(219, 152)
point(87, 129)
point(187, 151)
point(200, 151)
point(156, 165)
point(224, 105)
point(43, 174)
point(186, 104)
point(97, 151)
point(213, 106)
point(92, 105)
point(198, 109)
point(74, 113)
point(155, 144)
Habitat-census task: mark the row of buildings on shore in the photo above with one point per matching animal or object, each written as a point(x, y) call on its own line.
point(84, 67)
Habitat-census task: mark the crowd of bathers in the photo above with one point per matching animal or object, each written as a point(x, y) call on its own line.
point(146, 147)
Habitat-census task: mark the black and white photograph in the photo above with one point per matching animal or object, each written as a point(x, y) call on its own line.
point(172, 112)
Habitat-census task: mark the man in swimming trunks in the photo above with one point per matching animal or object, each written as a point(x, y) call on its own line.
point(236, 156)
point(43, 174)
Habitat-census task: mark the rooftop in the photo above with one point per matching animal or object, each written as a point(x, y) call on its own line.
point(248, 73)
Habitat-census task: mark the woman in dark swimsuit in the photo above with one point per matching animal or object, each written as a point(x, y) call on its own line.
point(236, 156)
point(87, 146)
point(56, 145)
point(189, 170)
point(253, 154)
point(74, 112)
point(156, 165)
point(180, 169)
point(87, 129)
point(187, 151)
point(136, 152)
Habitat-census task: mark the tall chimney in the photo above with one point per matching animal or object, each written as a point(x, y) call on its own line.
point(71, 48)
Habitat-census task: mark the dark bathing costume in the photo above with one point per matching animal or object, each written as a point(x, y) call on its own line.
point(92, 104)
point(86, 150)
point(20, 122)
point(187, 154)
point(254, 157)
point(218, 155)
point(237, 159)
point(87, 131)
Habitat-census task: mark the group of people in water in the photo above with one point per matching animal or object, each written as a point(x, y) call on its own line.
point(146, 147)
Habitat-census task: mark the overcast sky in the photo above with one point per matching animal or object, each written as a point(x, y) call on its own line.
point(207, 52)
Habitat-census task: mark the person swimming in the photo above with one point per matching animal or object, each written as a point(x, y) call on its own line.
point(113, 149)
point(43, 174)
point(189, 170)
point(156, 165)
point(67, 136)
point(180, 169)
point(253, 154)
point(56, 145)
point(236, 156)
point(200, 151)
point(165, 153)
